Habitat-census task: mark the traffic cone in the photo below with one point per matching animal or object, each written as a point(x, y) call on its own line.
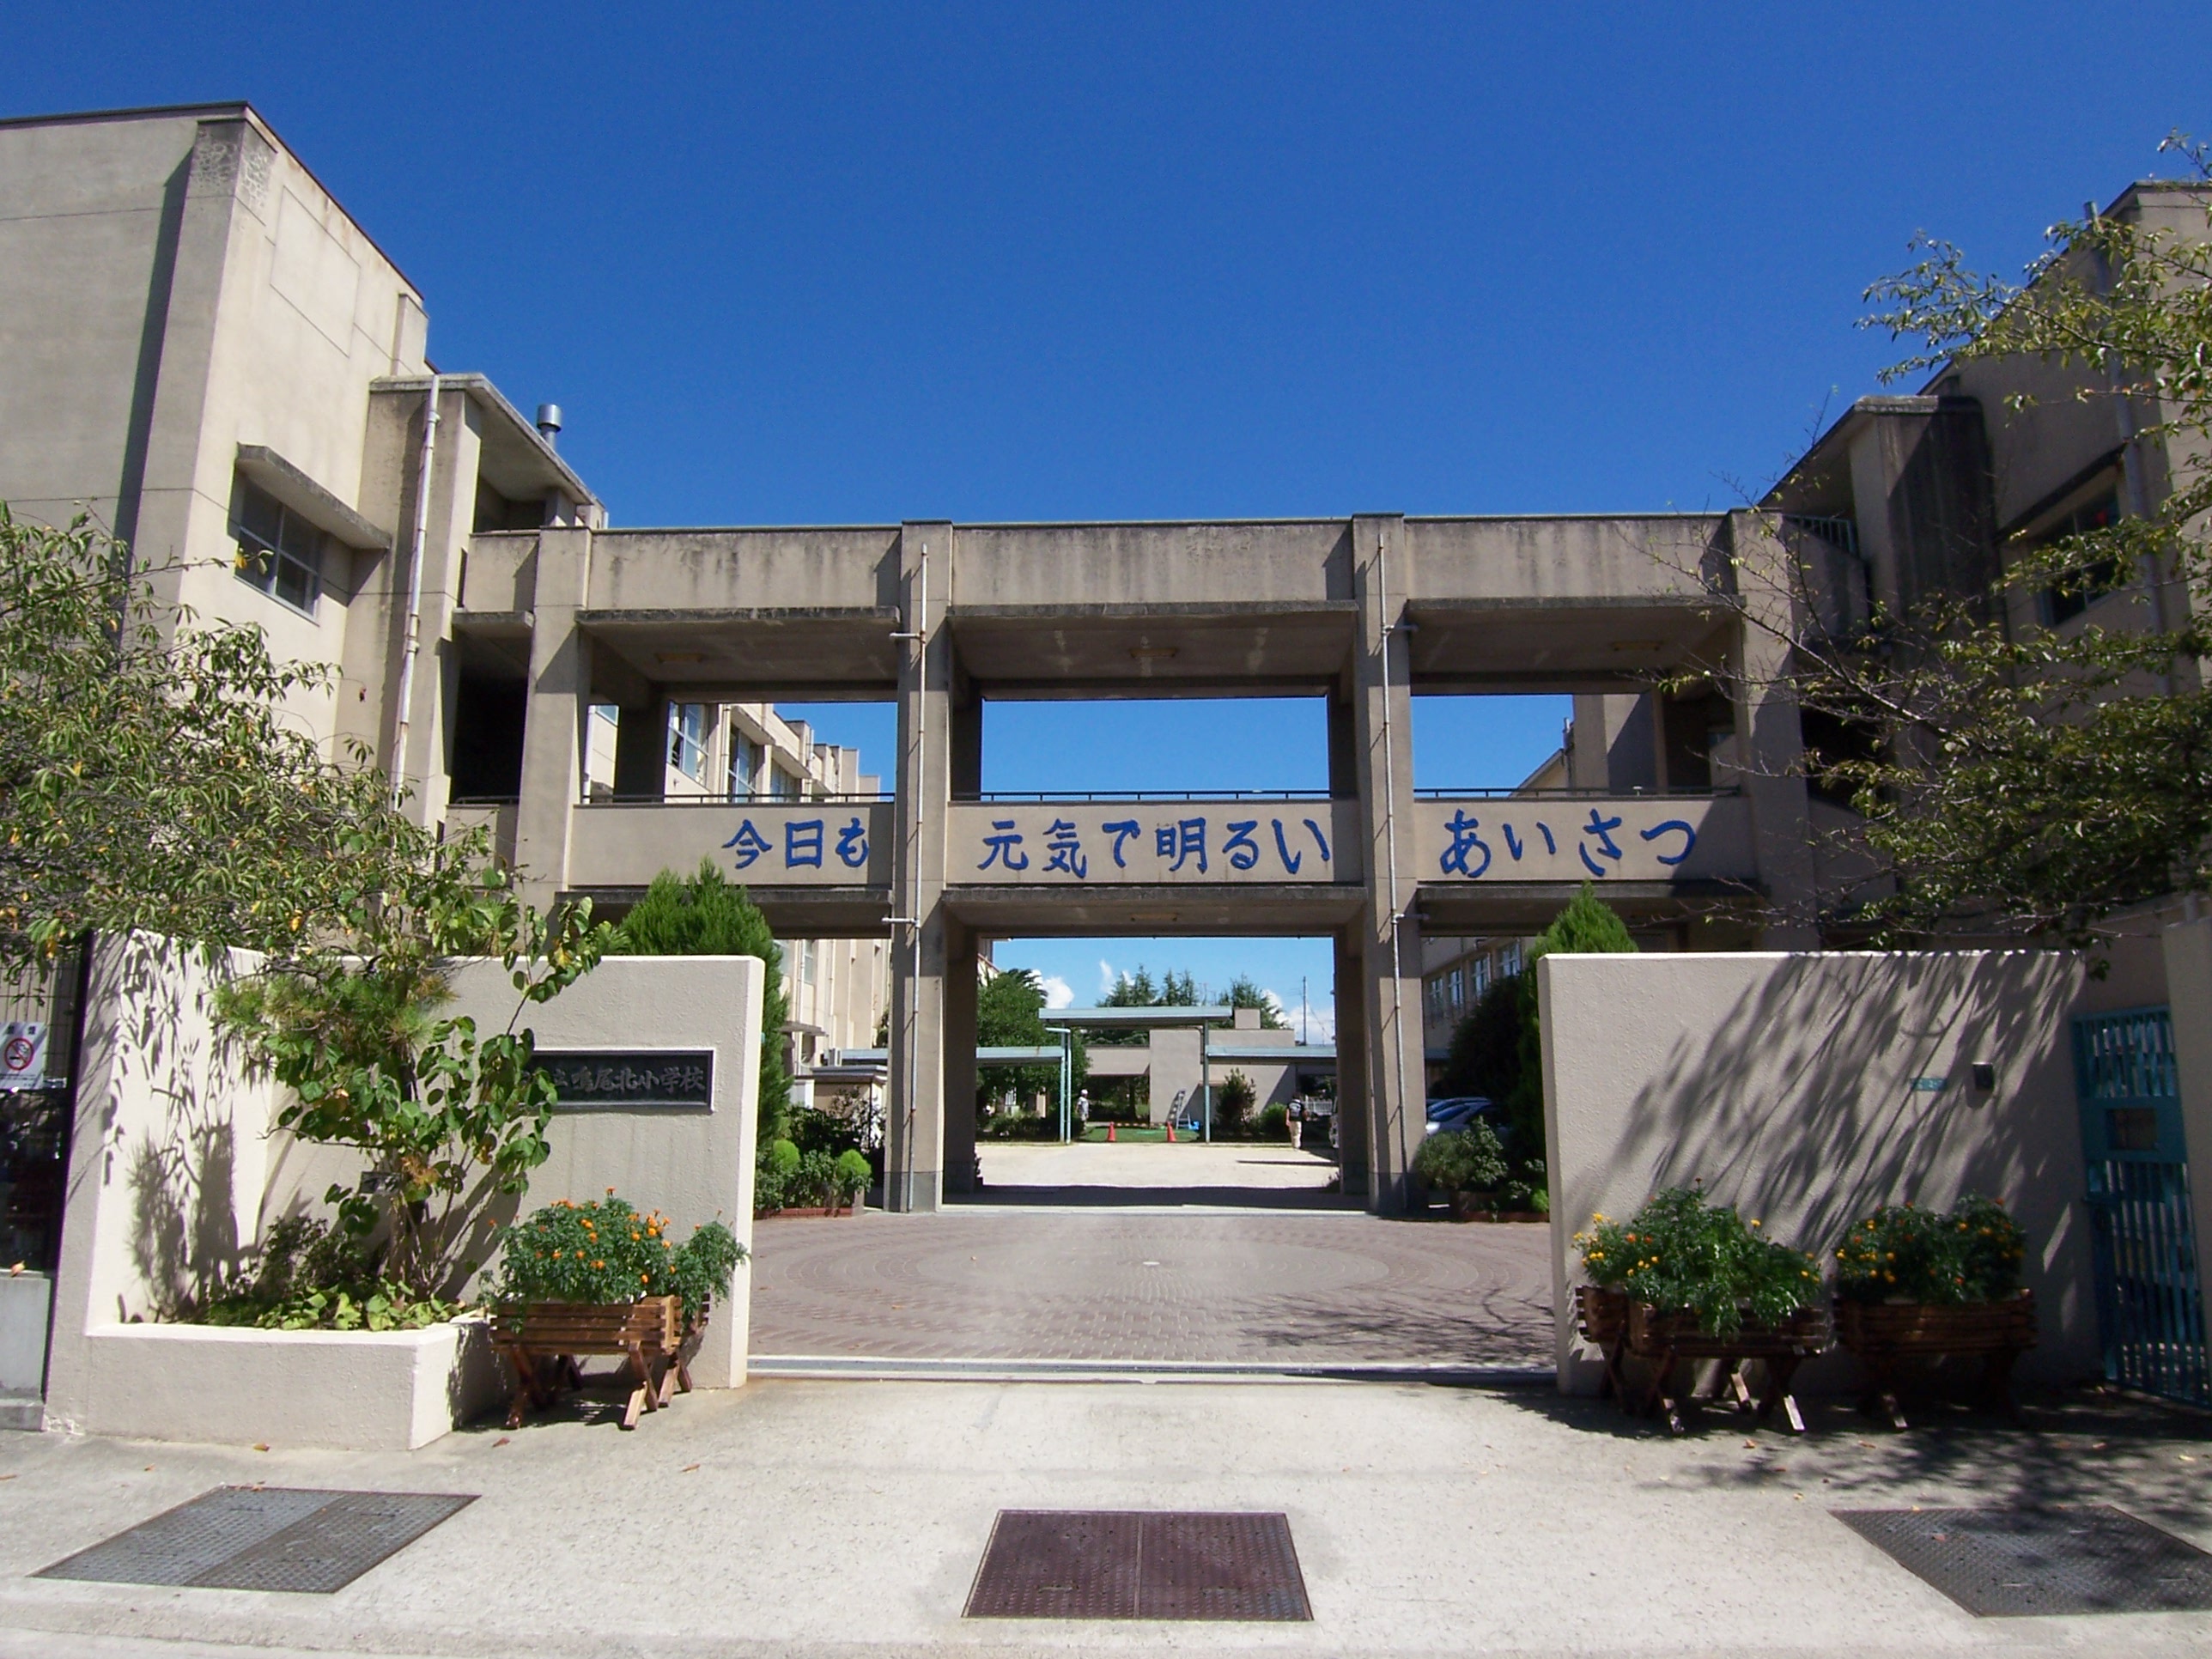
point(1170, 1131)
point(1109, 1132)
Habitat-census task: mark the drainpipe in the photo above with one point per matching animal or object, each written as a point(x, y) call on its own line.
point(1390, 826)
point(413, 647)
point(919, 634)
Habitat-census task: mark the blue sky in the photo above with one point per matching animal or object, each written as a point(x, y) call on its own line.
point(861, 264)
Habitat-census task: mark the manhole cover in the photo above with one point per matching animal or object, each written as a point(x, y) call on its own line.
point(1105, 1563)
point(265, 1538)
point(2010, 1563)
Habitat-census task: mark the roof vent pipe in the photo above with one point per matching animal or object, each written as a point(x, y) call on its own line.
point(549, 423)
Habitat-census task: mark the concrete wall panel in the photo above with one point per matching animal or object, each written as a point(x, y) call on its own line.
point(1785, 1083)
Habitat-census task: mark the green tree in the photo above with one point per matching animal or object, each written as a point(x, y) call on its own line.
point(708, 914)
point(152, 775)
point(1244, 992)
point(1129, 991)
point(1588, 926)
point(1233, 1100)
point(2015, 779)
point(1009, 1014)
point(1485, 1045)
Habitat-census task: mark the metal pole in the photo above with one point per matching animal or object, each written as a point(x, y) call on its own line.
point(1066, 1076)
point(1205, 1075)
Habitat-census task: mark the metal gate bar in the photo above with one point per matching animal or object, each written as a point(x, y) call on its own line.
point(2150, 1306)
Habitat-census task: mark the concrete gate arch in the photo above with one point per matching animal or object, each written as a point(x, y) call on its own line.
point(1366, 613)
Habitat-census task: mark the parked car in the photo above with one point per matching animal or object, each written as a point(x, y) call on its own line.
point(1457, 1111)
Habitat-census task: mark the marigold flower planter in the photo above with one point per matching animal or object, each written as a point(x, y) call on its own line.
point(544, 1339)
point(1884, 1334)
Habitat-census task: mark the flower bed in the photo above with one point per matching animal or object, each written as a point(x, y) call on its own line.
point(1915, 1285)
point(601, 1279)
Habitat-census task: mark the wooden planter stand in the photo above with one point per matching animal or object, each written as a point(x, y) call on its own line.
point(544, 1339)
point(1884, 1334)
point(1603, 1316)
point(1667, 1339)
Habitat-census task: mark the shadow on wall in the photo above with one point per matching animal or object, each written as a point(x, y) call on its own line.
point(1786, 1086)
point(175, 1087)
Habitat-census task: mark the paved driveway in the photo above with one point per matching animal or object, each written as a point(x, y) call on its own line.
point(1252, 1287)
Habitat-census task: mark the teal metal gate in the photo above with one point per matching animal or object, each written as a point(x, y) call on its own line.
point(2150, 1307)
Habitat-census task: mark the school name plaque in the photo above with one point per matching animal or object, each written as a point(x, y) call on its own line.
point(585, 1079)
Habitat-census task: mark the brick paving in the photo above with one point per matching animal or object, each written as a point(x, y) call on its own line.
point(1090, 1282)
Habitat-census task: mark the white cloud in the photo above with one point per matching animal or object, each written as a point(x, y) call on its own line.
point(1106, 977)
point(1056, 993)
point(1319, 1020)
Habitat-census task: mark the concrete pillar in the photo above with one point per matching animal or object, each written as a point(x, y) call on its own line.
point(1391, 942)
point(961, 984)
point(914, 1159)
point(554, 732)
point(1770, 741)
point(1353, 1117)
point(2188, 1000)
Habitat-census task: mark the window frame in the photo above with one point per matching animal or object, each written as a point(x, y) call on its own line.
point(260, 566)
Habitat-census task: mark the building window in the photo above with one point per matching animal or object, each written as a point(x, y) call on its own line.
point(1481, 977)
point(745, 757)
point(687, 739)
point(806, 962)
point(782, 786)
point(1509, 960)
point(2070, 597)
point(1458, 988)
point(278, 551)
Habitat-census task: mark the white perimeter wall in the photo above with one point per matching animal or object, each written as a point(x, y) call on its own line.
point(175, 1170)
point(1784, 1082)
point(693, 1166)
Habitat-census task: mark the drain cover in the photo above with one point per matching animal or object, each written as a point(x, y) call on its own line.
point(265, 1538)
point(1106, 1564)
point(2008, 1563)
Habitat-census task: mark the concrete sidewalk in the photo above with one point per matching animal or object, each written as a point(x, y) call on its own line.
point(837, 1518)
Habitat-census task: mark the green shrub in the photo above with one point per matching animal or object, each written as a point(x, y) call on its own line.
point(1680, 1252)
point(310, 1278)
point(814, 1182)
point(1469, 1160)
point(1908, 1255)
point(853, 1173)
point(1233, 1097)
point(1274, 1123)
point(606, 1252)
point(708, 914)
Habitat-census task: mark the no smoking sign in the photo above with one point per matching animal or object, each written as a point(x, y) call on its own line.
point(23, 1055)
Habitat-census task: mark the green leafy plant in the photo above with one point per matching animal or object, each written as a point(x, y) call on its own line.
point(774, 1165)
point(1902, 1254)
point(1274, 1122)
point(606, 1252)
point(447, 1116)
point(852, 1174)
point(708, 914)
point(1681, 1254)
point(311, 1277)
point(1469, 1160)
